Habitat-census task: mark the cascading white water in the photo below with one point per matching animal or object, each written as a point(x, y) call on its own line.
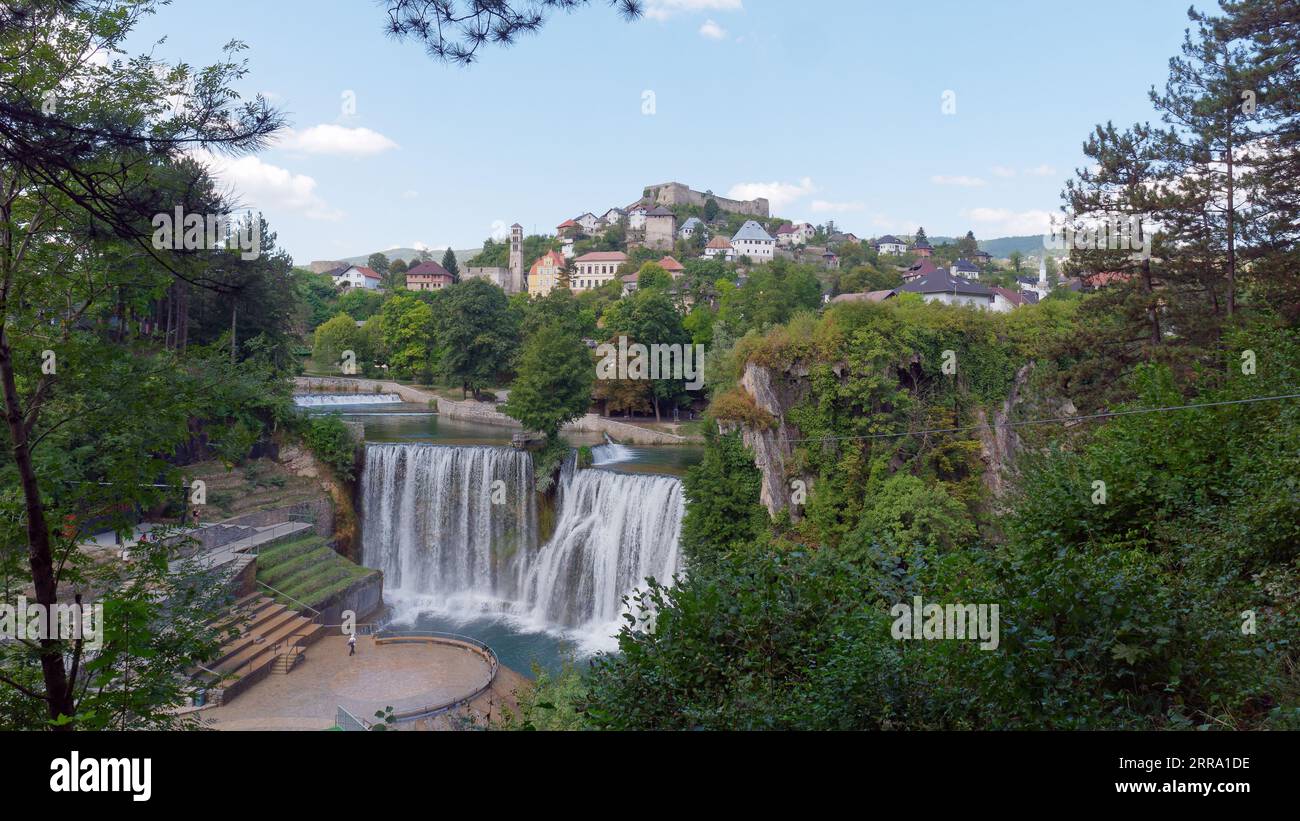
point(610, 453)
point(435, 520)
point(429, 523)
point(615, 530)
point(316, 400)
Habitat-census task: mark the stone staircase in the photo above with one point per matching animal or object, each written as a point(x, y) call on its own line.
point(271, 638)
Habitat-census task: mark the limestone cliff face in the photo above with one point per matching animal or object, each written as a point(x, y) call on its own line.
point(1000, 443)
point(776, 392)
point(772, 449)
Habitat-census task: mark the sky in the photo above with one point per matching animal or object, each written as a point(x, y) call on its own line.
point(881, 116)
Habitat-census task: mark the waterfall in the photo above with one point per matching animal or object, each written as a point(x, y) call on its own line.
point(610, 453)
point(316, 400)
point(614, 531)
point(435, 519)
point(429, 523)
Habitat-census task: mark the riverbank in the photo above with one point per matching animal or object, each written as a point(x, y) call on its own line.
point(486, 412)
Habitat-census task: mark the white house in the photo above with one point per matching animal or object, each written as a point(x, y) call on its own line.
point(753, 242)
point(689, 227)
point(589, 222)
point(594, 269)
point(785, 235)
point(1004, 300)
point(614, 216)
point(803, 233)
point(941, 286)
point(636, 217)
point(890, 244)
point(357, 276)
point(720, 247)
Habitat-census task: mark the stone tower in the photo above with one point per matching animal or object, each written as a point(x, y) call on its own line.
point(516, 259)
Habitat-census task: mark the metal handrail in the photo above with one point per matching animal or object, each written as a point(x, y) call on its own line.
point(432, 710)
point(316, 614)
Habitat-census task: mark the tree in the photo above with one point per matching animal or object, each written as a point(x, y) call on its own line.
point(650, 318)
point(406, 327)
point(449, 263)
point(723, 512)
point(967, 245)
point(378, 263)
point(652, 276)
point(553, 385)
point(79, 182)
point(1017, 259)
point(333, 338)
point(711, 209)
point(476, 334)
point(452, 33)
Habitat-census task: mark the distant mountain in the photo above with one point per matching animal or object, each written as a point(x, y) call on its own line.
point(408, 254)
point(1003, 246)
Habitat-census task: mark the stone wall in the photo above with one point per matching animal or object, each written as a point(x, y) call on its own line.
point(674, 193)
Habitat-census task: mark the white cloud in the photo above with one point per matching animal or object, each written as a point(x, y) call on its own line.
point(1003, 171)
point(270, 188)
point(336, 140)
point(965, 182)
point(1043, 170)
point(824, 206)
point(663, 9)
point(712, 31)
point(1005, 222)
point(778, 194)
point(410, 195)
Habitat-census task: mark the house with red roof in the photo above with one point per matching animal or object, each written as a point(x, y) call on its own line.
point(672, 266)
point(544, 275)
point(720, 248)
point(428, 276)
point(357, 276)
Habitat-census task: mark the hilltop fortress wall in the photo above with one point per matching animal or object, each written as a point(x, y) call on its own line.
point(674, 193)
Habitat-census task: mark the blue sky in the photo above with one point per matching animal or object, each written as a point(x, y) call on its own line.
point(831, 109)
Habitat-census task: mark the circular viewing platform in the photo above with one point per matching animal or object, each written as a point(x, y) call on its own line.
point(419, 675)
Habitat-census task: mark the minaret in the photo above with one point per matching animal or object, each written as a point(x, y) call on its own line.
point(1042, 274)
point(516, 259)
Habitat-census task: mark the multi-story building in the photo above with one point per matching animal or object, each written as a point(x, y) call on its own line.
point(660, 228)
point(428, 276)
point(753, 242)
point(594, 269)
point(544, 275)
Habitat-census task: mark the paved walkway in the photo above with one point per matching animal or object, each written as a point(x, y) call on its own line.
point(401, 676)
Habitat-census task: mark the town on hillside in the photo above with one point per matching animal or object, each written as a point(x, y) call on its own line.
point(698, 238)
